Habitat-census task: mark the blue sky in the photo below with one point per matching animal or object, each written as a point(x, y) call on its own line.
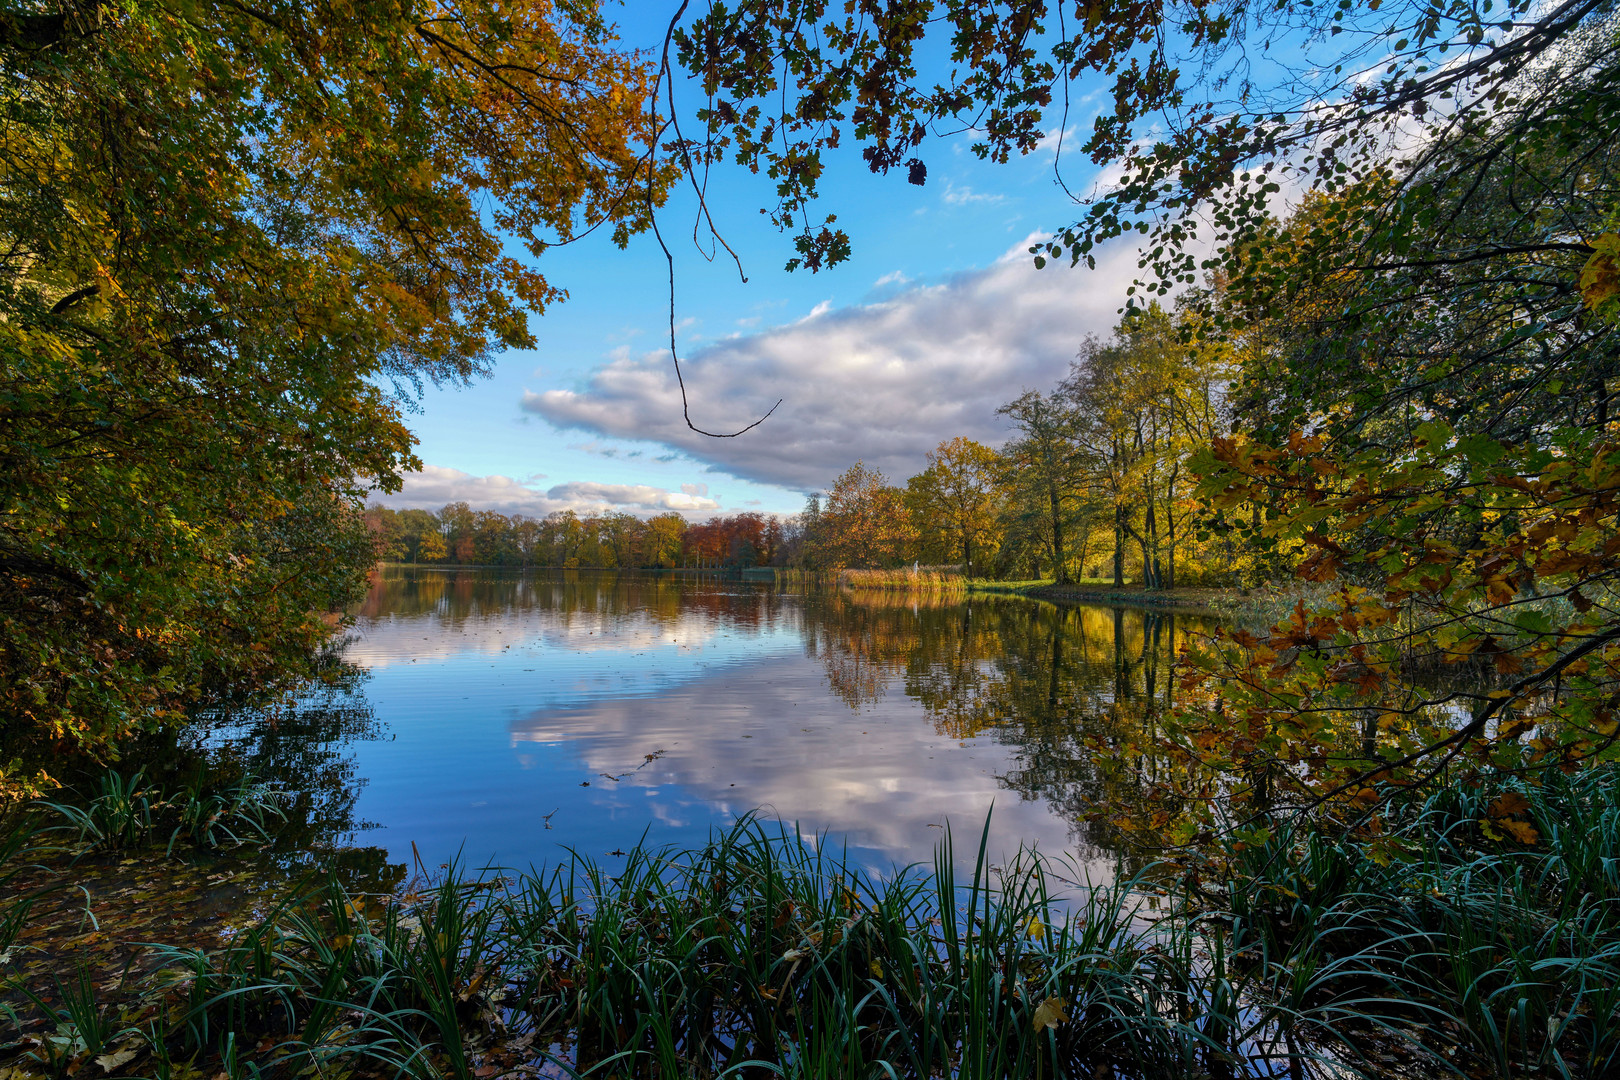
point(937, 319)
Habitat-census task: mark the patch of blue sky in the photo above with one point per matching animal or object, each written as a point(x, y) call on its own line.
point(907, 239)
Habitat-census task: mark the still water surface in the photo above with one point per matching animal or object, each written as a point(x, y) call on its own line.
point(504, 715)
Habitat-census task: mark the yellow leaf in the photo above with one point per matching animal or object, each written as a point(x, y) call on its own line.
point(1049, 1014)
point(1035, 929)
point(876, 969)
point(1512, 730)
point(111, 1061)
point(1523, 832)
point(1600, 277)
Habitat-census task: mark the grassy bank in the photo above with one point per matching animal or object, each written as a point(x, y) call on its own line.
point(950, 580)
point(929, 579)
point(1105, 592)
point(1441, 950)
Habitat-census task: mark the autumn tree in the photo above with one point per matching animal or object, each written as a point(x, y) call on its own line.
point(420, 539)
point(387, 535)
point(957, 492)
point(1143, 402)
point(228, 232)
point(1430, 429)
point(863, 522)
point(735, 540)
point(525, 538)
point(663, 542)
point(431, 547)
point(1041, 465)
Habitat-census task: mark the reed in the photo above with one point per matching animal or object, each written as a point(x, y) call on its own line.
point(1477, 954)
point(128, 812)
point(907, 578)
point(1437, 948)
point(755, 955)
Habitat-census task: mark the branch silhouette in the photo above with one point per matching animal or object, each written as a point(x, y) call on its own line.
point(665, 77)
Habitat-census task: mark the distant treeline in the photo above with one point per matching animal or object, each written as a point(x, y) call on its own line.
point(1093, 482)
point(460, 535)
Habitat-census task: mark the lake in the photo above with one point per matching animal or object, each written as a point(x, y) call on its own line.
point(504, 716)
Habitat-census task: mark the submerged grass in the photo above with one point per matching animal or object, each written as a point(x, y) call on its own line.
point(1437, 948)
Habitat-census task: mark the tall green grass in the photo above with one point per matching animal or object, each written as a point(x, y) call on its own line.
point(128, 812)
point(1432, 949)
point(756, 955)
point(1442, 937)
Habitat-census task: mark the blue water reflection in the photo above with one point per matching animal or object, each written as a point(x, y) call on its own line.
point(518, 713)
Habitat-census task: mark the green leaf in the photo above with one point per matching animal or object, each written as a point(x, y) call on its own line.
point(1434, 434)
point(1534, 622)
point(1481, 449)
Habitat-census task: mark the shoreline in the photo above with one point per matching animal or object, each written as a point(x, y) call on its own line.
point(1187, 599)
point(1181, 598)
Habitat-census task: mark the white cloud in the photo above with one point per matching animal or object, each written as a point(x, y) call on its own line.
point(883, 382)
point(437, 485)
point(962, 196)
point(680, 645)
point(632, 496)
point(861, 780)
point(893, 277)
point(1053, 140)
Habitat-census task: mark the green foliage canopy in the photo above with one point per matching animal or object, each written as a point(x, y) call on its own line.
point(233, 238)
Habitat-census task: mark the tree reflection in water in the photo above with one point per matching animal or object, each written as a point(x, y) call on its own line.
point(1074, 693)
point(596, 663)
point(304, 744)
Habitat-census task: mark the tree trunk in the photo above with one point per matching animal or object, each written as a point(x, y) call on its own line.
point(1119, 546)
point(1170, 523)
point(1060, 565)
point(1052, 682)
point(1150, 545)
point(1122, 685)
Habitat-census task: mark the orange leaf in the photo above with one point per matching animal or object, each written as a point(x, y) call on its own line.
point(1512, 730)
point(1522, 832)
point(1508, 804)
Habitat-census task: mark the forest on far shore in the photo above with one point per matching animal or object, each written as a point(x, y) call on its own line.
point(1095, 480)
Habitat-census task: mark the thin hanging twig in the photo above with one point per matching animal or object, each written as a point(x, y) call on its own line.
point(669, 258)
